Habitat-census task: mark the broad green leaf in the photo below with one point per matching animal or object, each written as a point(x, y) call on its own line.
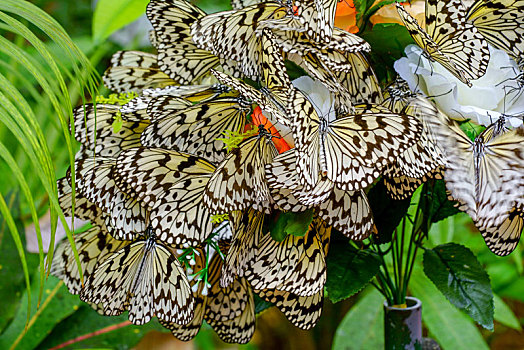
point(388, 41)
point(349, 270)
point(57, 304)
point(387, 212)
point(451, 328)
point(441, 207)
point(456, 272)
point(363, 325)
point(289, 223)
point(109, 332)
point(111, 15)
point(504, 314)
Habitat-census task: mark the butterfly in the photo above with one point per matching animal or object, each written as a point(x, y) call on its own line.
point(93, 246)
point(347, 211)
point(361, 81)
point(351, 150)
point(145, 278)
point(483, 175)
point(94, 129)
point(170, 99)
point(171, 185)
point(229, 311)
point(423, 160)
point(196, 129)
point(318, 16)
point(239, 181)
point(84, 209)
point(296, 265)
point(501, 22)
point(273, 97)
point(178, 56)
point(231, 34)
point(126, 217)
point(449, 40)
point(247, 232)
point(134, 71)
point(302, 311)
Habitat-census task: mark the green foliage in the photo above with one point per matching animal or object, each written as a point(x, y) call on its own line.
point(349, 270)
point(388, 42)
point(504, 315)
point(363, 326)
point(450, 327)
point(114, 332)
point(47, 80)
point(456, 272)
point(12, 289)
point(57, 304)
point(387, 212)
point(111, 15)
point(290, 223)
point(440, 206)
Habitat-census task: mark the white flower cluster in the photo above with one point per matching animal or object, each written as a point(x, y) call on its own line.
point(494, 94)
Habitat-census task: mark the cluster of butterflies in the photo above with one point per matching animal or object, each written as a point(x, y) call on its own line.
point(179, 211)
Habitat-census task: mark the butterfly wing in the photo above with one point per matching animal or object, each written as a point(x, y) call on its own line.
point(503, 239)
point(305, 129)
point(94, 129)
point(303, 312)
point(296, 265)
point(128, 279)
point(94, 181)
point(171, 185)
point(134, 71)
point(239, 181)
point(198, 129)
point(93, 246)
point(501, 22)
point(231, 34)
point(247, 231)
point(357, 146)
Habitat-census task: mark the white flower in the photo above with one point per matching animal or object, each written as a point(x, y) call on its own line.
point(493, 94)
point(318, 95)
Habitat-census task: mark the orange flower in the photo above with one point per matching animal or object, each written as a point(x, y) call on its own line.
point(260, 119)
point(346, 16)
point(389, 14)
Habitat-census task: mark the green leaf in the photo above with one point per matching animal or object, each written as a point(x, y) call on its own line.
point(456, 272)
point(117, 123)
point(441, 207)
point(349, 270)
point(361, 7)
point(57, 304)
point(388, 41)
point(504, 314)
point(112, 332)
point(289, 223)
point(10, 272)
point(387, 212)
point(111, 15)
point(363, 325)
point(451, 328)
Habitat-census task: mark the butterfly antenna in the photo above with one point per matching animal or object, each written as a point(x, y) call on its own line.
point(442, 94)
